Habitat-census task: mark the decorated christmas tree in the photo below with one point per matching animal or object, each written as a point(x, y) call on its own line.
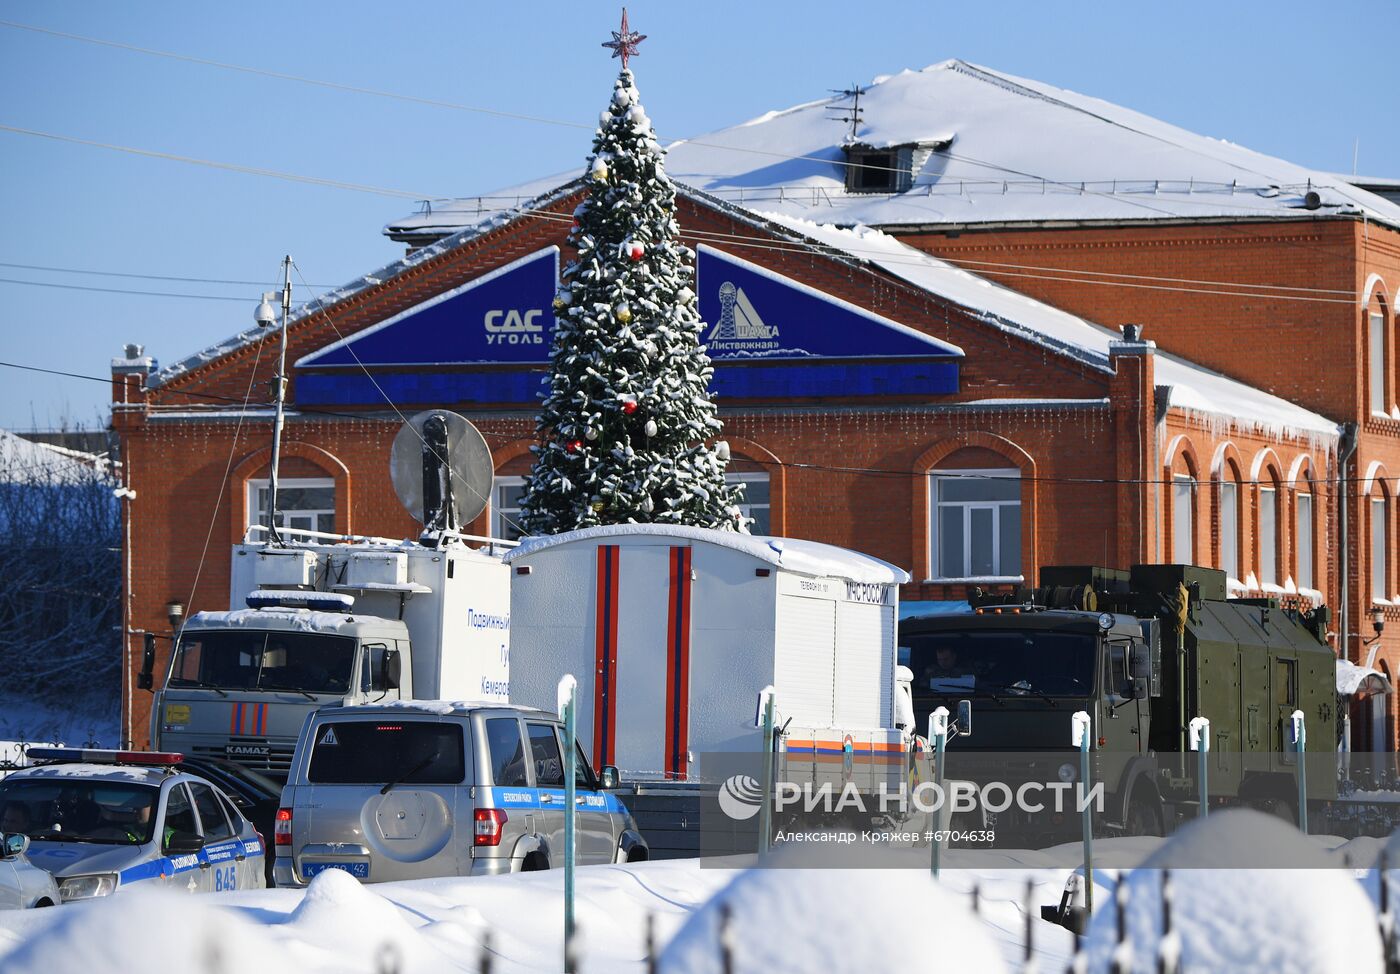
point(624, 429)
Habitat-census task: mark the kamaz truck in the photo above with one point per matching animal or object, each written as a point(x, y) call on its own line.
point(1143, 652)
point(320, 620)
point(332, 625)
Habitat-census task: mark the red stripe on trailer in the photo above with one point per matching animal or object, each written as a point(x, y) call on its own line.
point(605, 657)
point(235, 724)
point(678, 665)
point(260, 720)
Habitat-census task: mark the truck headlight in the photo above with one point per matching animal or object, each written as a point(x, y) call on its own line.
point(1068, 772)
point(87, 887)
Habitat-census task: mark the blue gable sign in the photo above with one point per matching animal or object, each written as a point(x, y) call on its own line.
point(753, 313)
point(487, 342)
point(503, 317)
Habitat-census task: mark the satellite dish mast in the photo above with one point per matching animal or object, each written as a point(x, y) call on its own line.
point(442, 472)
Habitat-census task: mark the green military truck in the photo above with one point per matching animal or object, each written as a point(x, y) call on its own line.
point(1142, 652)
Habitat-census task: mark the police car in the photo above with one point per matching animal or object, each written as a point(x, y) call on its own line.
point(101, 821)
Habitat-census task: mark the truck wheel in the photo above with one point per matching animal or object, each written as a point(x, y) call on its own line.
point(1144, 815)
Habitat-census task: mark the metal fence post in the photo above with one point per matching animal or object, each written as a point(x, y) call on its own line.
point(1081, 731)
point(765, 810)
point(938, 733)
point(568, 688)
point(1200, 743)
point(1300, 742)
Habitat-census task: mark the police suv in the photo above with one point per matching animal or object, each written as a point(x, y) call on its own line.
point(101, 821)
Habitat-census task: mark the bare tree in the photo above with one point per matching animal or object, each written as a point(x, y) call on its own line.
point(60, 574)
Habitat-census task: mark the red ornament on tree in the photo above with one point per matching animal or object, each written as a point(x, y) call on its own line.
point(629, 407)
point(575, 446)
point(635, 251)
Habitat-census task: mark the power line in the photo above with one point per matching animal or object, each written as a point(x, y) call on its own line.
point(144, 277)
point(117, 290)
point(828, 468)
point(282, 76)
point(1073, 185)
point(476, 109)
point(228, 166)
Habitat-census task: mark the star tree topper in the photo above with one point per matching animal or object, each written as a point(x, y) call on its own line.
point(624, 42)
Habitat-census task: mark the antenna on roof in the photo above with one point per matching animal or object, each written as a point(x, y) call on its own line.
point(851, 113)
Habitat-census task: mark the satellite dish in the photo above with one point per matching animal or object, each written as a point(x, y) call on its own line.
point(441, 469)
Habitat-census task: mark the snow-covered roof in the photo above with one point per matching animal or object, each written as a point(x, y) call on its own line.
point(1350, 678)
point(441, 708)
point(24, 461)
point(1021, 150)
point(790, 554)
point(298, 620)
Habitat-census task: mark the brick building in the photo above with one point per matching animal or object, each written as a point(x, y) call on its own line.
point(943, 392)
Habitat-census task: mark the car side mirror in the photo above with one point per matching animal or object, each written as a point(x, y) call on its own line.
point(144, 679)
point(1137, 688)
point(16, 844)
point(964, 721)
point(610, 777)
point(393, 669)
point(184, 843)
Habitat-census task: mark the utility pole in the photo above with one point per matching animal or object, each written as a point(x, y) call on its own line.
point(280, 388)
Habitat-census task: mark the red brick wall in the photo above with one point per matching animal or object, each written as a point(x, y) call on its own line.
point(851, 474)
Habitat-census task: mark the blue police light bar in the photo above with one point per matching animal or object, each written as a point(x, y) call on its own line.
point(272, 598)
point(87, 755)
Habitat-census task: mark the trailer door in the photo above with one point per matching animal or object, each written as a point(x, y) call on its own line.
point(804, 670)
point(864, 665)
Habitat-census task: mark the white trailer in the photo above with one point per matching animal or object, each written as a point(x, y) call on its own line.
point(672, 632)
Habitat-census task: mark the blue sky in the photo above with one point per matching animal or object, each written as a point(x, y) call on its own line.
point(1295, 80)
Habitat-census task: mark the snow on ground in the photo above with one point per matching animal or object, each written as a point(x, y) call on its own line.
point(1283, 920)
point(441, 924)
point(820, 920)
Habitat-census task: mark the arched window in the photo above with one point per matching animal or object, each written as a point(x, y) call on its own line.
point(1267, 527)
point(1304, 519)
point(1228, 523)
point(1377, 342)
point(1378, 508)
point(757, 502)
point(975, 522)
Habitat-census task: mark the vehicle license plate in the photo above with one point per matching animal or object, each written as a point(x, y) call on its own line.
point(360, 870)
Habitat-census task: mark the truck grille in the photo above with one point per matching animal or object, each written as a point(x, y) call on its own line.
point(278, 758)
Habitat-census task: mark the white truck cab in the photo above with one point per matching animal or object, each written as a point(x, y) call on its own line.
point(332, 625)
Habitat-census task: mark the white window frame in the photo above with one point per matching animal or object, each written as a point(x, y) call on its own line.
point(1183, 522)
point(1268, 535)
point(1230, 529)
point(1376, 365)
point(254, 511)
point(1303, 539)
point(1380, 537)
point(753, 477)
point(931, 485)
point(499, 525)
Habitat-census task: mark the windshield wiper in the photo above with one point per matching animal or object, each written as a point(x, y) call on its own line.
point(409, 774)
point(278, 686)
point(1027, 688)
point(187, 682)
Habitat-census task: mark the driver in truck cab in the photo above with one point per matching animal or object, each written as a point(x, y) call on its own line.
point(945, 667)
